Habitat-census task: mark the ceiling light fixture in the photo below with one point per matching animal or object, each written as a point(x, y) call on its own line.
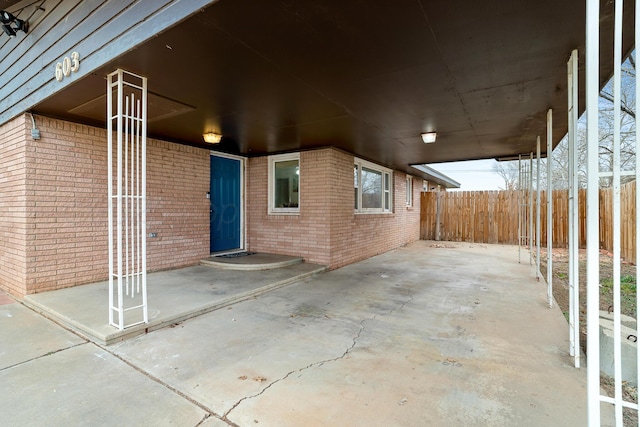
point(429, 137)
point(212, 138)
point(11, 25)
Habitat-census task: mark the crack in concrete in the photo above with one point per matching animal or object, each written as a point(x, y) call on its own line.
point(410, 295)
point(312, 365)
point(320, 363)
point(401, 304)
point(208, 411)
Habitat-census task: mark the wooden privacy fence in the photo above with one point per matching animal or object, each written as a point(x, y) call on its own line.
point(492, 217)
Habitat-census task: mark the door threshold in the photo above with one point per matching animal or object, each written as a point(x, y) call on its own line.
point(228, 252)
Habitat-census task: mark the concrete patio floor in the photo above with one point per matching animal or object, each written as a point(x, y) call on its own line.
point(447, 334)
point(174, 295)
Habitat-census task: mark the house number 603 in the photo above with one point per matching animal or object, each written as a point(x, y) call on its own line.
point(67, 66)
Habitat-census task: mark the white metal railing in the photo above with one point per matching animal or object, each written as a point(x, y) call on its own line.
point(127, 123)
point(595, 394)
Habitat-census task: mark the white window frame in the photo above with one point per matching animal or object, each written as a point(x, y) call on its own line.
point(409, 191)
point(387, 174)
point(356, 187)
point(271, 182)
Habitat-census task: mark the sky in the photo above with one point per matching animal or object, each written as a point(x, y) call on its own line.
point(473, 175)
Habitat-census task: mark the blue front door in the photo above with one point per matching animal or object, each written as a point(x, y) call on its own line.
point(226, 206)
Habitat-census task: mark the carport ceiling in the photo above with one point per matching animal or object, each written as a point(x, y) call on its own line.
point(364, 76)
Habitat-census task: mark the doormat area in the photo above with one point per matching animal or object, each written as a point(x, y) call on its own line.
point(236, 255)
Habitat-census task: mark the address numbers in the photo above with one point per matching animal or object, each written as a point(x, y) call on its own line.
point(70, 64)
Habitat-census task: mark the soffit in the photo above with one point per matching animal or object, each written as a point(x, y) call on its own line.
point(366, 77)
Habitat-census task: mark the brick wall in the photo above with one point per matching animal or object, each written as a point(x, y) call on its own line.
point(13, 207)
point(177, 205)
point(355, 237)
point(306, 234)
point(53, 202)
point(66, 216)
point(327, 231)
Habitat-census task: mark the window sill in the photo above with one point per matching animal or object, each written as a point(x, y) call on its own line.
point(373, 213)
point(276, 213)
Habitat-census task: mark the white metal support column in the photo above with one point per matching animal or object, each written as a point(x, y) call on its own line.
point(617, 342)
point(593, 238)
point(521, 208)
point(574, 224)
point(530, 209)
point(637, 195)
point(549, 208)
point(538, 189)
point(127, 124)
point(595, 396)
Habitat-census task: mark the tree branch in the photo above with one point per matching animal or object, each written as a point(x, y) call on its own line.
point(609, 97)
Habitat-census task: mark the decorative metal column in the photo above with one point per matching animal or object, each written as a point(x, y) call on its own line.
point(127, 125)
point(525, 205)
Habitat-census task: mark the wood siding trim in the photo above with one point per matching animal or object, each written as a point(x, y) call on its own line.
point(99, 31)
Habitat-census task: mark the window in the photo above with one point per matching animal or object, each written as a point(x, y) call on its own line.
point(409, 191)
point(284, 184)
point(372, 187)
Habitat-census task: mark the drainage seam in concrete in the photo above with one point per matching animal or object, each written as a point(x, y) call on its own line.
point(44, 355)
point(36, 308)
point(202, 406)
point(209, 412)
point(207, 416)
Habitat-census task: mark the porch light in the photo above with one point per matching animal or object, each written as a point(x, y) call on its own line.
point(7, 19)
point(429, 137)
point(212, 138)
